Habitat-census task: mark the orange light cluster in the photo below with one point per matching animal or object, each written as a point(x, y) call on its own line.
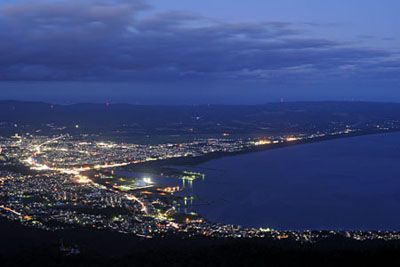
point(27, 218)
point(262, 142)
point(171, 189)
point(291, 139)
point(81, 179)
point(282, 237)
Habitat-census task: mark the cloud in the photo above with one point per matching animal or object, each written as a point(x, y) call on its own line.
point(126, 41)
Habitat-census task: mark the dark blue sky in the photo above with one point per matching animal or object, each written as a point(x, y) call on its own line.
point(185, 52)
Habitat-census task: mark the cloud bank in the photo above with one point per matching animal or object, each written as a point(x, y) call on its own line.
point(93, 40)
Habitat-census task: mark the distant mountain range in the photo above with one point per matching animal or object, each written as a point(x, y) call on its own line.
point(289, 117)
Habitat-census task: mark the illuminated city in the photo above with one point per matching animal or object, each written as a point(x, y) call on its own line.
point(56, 182)
point(212, 133)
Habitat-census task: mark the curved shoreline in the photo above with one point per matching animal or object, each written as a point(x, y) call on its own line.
point(209, 213)
point(194, 161)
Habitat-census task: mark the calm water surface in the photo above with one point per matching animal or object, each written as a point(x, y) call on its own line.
point(351, 183)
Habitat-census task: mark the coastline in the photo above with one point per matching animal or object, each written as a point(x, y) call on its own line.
point(194, 161)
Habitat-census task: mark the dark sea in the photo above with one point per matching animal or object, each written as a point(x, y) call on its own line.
point(348, 184)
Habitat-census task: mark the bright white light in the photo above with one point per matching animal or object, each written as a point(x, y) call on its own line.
point(147, 180)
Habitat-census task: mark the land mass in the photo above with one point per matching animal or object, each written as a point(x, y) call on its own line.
point(154, 124)
point(46, 150)
point(168, 166)
point(22, 246)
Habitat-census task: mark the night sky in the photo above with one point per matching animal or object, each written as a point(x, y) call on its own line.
point(198, 52)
